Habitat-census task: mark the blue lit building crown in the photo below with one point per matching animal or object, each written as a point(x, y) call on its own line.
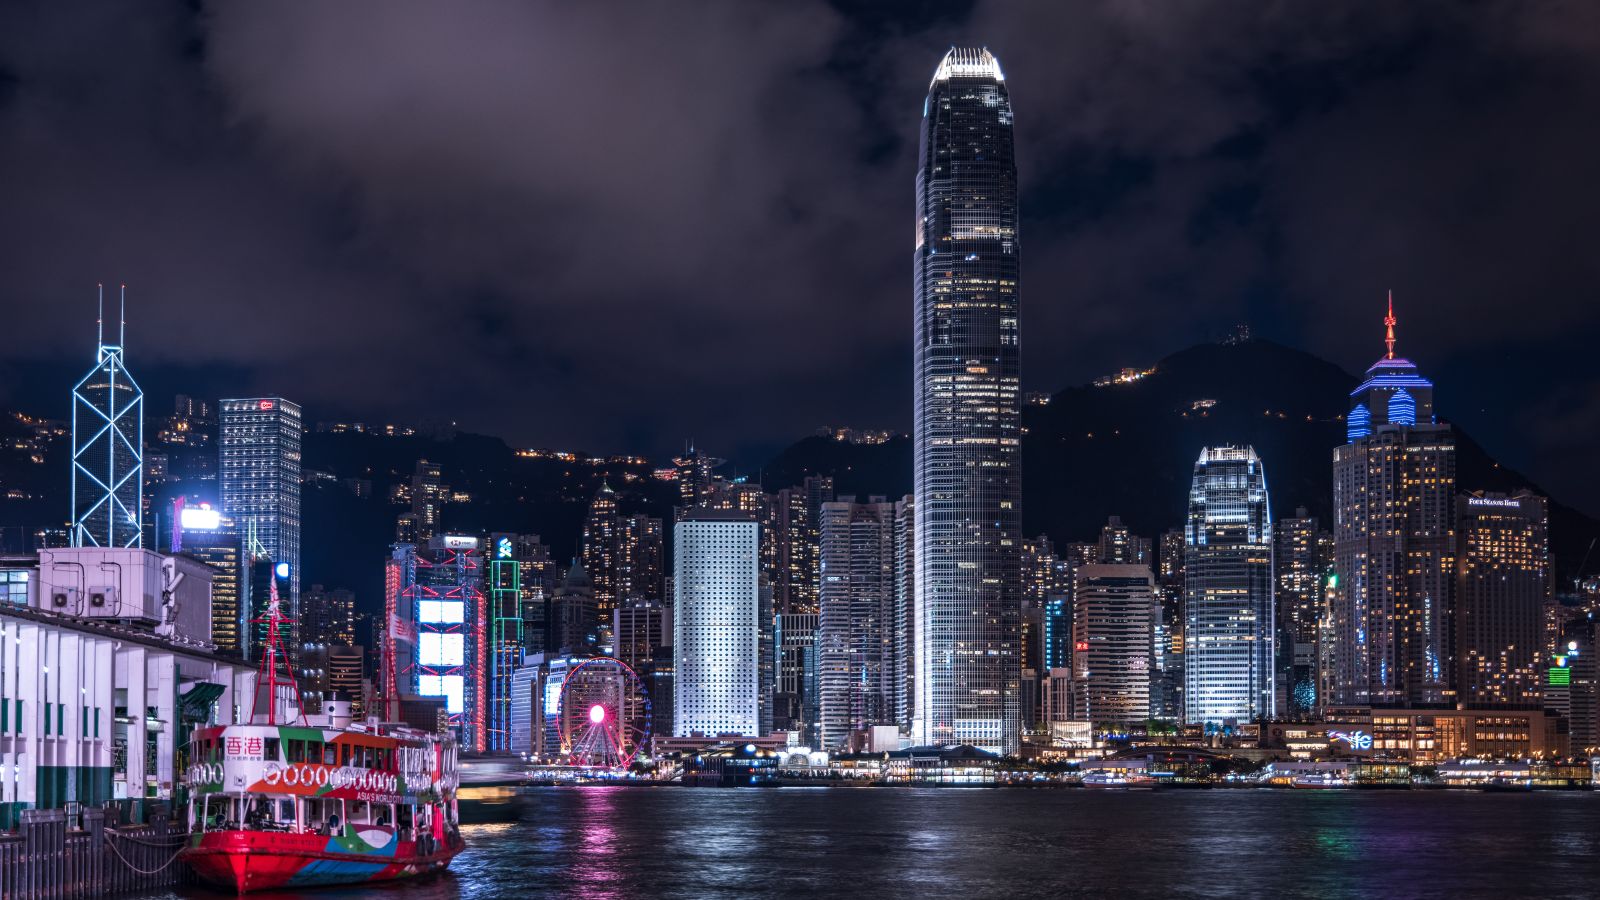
point(1394, 393)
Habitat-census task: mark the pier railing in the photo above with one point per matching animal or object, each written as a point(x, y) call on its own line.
point(56, 856)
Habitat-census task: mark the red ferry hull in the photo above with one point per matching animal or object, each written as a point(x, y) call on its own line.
point(245, 861)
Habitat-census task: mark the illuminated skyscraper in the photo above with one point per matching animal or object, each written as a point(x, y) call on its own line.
point(428, 494)
point(1120, 546)
point(328, 616)
point(202, 533)
point(717, 626)
point(641, 628)
point(440, 593)
point(107, 450)
point(792, 561)
point(599, 551)
point(259, 461)
point(696, 475)
point(1228, 617)
point(1113, 628)
point(641, 553)
point(1394, 488)
point(967, 418)
point(1503, 581)
point(507, 600)
point(856, 626)
point(1300, 568)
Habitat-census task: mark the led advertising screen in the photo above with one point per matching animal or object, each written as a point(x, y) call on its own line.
point(441, 612)
point(438, 650)
point(451, 687)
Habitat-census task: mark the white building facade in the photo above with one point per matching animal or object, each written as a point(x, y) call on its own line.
point(716, 628)
point(101, 679)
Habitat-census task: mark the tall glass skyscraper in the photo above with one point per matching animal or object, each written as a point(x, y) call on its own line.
point(259, 465)
point(967, 414)
point(1229, 638)
point(1394, 487)
point(107, 451)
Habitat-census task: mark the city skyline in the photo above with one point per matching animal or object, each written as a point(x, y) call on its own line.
point(548, 428)
point(1156, 218)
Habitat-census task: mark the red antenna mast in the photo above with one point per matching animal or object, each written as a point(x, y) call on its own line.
point(269, 662)
point(1389, 323)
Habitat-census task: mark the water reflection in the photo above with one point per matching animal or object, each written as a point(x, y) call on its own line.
point(595, 873)
point(638, 842)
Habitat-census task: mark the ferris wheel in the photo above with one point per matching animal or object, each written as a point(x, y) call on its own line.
point(604, 714)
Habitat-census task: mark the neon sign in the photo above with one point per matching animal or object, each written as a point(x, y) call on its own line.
point(502, 548)
point(1358, 740)
point(265, 404)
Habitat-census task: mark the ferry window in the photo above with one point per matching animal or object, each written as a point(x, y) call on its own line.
point(270, 748)
point(330, 755)
point(285, 810)
point(297, 751)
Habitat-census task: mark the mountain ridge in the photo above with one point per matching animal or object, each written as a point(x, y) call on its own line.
point(1129, 448)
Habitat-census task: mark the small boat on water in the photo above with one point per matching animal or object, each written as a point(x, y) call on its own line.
point(493, 789)
point(295, 800)
point(1319, 781)
point(1129, 781)
point(280, 806)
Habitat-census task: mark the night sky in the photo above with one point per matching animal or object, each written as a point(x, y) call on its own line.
point(612, 227)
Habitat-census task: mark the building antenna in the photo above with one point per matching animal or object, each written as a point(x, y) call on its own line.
point(122, 317)
point(1389, 323)
point(100, 317)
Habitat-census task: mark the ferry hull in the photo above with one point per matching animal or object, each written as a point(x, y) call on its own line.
point(244, 861)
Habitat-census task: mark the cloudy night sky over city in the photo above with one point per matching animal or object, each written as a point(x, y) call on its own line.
point(613, 228)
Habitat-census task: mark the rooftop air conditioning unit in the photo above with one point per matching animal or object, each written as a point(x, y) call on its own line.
point(102, 597)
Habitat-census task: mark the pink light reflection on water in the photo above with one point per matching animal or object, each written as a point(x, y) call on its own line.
point(595, 872)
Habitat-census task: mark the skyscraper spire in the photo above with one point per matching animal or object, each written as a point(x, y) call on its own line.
point(1389, 323)
point(107, 450)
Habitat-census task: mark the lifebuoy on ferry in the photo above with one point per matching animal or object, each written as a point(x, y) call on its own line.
point(322, 778)
point(291, 776)
point(273, 776)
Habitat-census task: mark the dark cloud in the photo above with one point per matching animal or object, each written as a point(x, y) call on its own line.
point(614, 225)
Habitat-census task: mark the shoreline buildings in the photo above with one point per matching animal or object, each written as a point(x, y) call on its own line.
point(439, 632)
point(1301, 557)
point(967, 440)
point(1503, 582)
point(718, 625)
point(1113, 630)
point(856, 626)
